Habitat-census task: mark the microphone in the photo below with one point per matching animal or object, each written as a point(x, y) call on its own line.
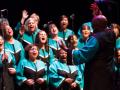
point(72, 16)
point(3, 10)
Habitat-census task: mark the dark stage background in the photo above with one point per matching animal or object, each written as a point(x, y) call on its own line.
point(52, 9)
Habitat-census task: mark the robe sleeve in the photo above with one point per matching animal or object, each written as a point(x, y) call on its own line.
point(51, 58)
point(20, 73)
point(87, 52)
point(55, 79)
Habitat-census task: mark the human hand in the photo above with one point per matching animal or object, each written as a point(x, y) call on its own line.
point(73, 85)
point(69, 80)
point(12, 70)
point(22, 30)
point(40, 80)
point(95, 9)
point(4, 57)
point(24, 16)
point(29, 82)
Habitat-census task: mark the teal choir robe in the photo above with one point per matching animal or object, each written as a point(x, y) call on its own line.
point(59, 71)
point(46, 56)
point(16, 30)
point(66, 34)
point(54, 45)
point(17, 49)
point(28, 38)
point(80, 68)
point(81, 43)
point(31, 70)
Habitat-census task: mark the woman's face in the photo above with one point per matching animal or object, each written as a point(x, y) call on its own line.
point(85, 31)
point(1, 40)
point(63, 55)
point(8, 31)
point(53, 29)
point(31, 25)
point(116, 30)
point(64, 23)
point(119, 55)
point(42, 37)
point(73, 41)
point(33, 52)
point(3, 24)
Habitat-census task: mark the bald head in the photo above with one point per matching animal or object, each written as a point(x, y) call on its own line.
point(99, 23)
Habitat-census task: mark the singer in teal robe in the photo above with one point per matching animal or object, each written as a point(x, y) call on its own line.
point(88, 24)
point(31, 70)
point(64, 31)
point(60, 72)
point(54, 40)
point(73, 43)
point(30, 32)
